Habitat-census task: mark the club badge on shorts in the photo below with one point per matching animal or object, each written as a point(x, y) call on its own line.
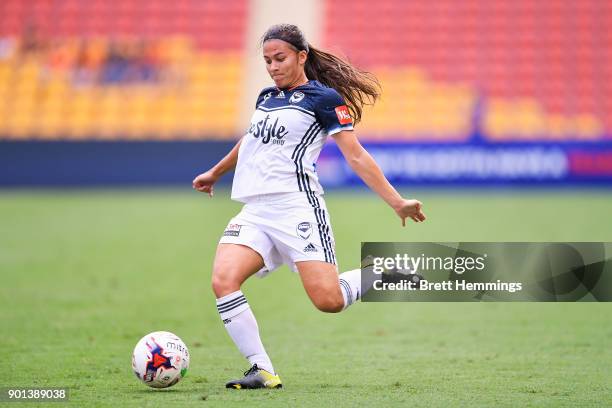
point(304, 230)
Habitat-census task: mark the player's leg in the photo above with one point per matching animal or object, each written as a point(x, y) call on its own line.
point(304, 238)
point(234, 264)
point(320, 280)
point(329, 292)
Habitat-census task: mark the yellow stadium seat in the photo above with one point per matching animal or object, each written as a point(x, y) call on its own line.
point(588, 127)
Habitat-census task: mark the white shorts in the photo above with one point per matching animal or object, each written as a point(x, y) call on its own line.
point(284, 229)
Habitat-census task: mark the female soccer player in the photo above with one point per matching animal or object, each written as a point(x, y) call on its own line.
point(284, 219)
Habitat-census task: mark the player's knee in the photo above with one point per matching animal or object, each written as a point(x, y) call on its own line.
point(224, 285)
point(329, 303)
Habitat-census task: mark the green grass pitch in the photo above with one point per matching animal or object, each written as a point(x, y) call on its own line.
point(85, 274)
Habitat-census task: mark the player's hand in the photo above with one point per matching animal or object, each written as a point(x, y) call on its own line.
point(410, 209)
point(204, 182)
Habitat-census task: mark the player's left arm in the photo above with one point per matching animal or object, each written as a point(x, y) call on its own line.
point(364, 165)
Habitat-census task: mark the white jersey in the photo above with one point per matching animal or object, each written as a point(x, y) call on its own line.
point(278, 154)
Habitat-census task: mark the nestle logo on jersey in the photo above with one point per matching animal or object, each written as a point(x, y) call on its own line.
point(344, 117)
point(269, 131)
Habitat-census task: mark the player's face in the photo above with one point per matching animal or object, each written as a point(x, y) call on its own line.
point(284, 64)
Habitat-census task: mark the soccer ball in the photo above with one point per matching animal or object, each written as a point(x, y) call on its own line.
point(160, 359)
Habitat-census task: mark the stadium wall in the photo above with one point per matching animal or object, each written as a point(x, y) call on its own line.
point(105, 163)
point(500, 164)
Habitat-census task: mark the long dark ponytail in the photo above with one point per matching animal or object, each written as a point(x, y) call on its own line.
point(357, 87)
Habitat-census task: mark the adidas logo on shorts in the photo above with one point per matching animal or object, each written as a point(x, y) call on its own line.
point(310, 248)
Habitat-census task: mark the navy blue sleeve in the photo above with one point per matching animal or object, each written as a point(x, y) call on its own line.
point(332, 112)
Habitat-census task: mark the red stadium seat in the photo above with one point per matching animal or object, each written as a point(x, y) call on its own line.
point(554, 52)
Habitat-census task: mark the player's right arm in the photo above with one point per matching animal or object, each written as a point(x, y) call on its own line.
point(205, 181)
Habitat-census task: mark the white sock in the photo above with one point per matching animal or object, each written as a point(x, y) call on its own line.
point(350, 286)
point(242, 327)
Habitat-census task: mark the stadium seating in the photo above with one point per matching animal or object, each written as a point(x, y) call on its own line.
point(153, 69)
point(521, 70)
point(131, 69)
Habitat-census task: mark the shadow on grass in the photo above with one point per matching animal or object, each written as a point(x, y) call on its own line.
point(161, 391)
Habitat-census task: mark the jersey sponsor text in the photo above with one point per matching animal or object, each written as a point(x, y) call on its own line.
point(269, 131)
